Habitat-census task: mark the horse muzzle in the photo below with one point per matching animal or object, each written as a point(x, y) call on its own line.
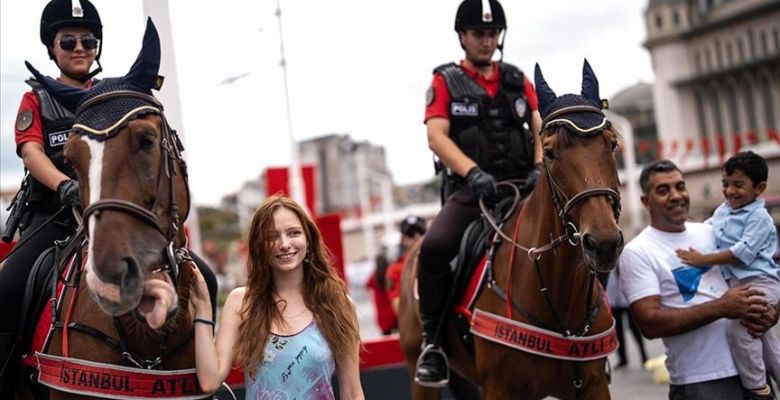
point(150, 295)
point(602, 251)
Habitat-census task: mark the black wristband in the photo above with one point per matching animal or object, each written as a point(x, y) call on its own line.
point(203, 321)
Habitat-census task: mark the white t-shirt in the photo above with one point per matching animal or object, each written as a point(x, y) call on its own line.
point(649, 267)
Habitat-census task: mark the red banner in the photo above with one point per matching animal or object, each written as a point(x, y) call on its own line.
point(89, 378)
point(277, 180)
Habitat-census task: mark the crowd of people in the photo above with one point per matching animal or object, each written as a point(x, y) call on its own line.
point(709, 290)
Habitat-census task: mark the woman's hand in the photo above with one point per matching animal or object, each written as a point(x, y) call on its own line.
point(199, 294)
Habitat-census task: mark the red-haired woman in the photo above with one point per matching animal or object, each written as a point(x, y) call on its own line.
point(293, 324)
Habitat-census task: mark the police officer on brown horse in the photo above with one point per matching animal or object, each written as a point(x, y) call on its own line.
point(72, 32)
point(483, 125)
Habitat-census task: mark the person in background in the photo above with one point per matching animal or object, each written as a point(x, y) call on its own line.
point(292, 326)
point(483, 125)
point(688, 307)
point(412, 229)
point(745, 237)
point(619, 306)
point(385, 316)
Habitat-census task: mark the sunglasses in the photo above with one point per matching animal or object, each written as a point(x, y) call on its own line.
point(88, 42)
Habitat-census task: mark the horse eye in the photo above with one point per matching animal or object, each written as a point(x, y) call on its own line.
point(145, 142)
point(549, 154)
point(614, 146)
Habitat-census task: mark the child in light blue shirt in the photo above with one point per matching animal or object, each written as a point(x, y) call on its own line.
point(746, 236)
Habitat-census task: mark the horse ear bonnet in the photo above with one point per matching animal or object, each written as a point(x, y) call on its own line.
point(112, 114)
point(553, 108)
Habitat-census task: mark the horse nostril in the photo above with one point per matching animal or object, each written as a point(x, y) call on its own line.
point(588, 243)
point(131, 275)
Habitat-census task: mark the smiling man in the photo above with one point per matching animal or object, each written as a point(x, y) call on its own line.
point(688, 307)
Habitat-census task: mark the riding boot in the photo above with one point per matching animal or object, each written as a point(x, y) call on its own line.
point(432, 366)
point(8, 368)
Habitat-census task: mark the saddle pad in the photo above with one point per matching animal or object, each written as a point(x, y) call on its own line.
point(465, 304)
point(43, 327)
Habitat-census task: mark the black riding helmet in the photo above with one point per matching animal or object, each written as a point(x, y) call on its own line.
point(59, 14)
point(481, 14)
point(412, 225)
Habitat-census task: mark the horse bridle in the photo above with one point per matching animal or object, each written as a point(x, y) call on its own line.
point(170, 148)
point(562, 202)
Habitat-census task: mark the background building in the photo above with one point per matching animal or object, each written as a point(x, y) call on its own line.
point(717, 87)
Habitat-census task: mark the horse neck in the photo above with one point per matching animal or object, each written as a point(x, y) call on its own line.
point(564, 272)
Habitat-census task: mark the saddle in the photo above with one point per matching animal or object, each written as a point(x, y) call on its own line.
point(475, 253)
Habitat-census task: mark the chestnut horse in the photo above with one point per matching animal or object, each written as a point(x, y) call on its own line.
point(129, 305)
point(544, 270)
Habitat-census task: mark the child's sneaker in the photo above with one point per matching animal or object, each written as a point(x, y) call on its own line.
point(759, 394)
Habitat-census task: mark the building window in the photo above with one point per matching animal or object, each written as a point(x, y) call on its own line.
point(732, 99)
point(729, 54)
point(697, 60)
point(717, 116)
point(764, 44)
point(769, 108)
point(718, 54)
point(776, 34)
point(707, 60)
point(700, 117)
point(659, 22)
point(747, 84)
point(676, 18)
point(740, 51)
point(752, 44)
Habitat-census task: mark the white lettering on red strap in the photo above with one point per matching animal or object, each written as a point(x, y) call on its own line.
point(540, 341)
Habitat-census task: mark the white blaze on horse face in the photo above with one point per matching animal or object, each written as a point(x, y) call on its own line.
point(95, 175)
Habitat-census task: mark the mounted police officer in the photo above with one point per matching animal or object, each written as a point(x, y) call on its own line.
point(72, 33)
point(483, 126)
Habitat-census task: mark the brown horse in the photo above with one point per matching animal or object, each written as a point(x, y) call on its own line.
point(544, 270)
point(129, 305)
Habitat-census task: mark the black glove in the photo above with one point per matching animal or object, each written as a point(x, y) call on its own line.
point(530, 180)
point(68, 190)
point(482, 184)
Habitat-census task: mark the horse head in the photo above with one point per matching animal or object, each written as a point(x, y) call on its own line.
point(578, 148)
point(133, 185)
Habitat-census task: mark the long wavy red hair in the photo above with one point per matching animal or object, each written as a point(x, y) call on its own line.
point(324, 292)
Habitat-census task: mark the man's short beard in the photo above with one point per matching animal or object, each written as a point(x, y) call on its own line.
point(481, 63)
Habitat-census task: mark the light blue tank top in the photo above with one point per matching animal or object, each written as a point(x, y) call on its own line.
point(296, 367)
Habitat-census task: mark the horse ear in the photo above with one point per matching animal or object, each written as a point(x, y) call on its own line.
point(543, 90)
point(590, 84)
point(144, 70)
point(68, 96)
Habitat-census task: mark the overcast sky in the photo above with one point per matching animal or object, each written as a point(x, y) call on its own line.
point(359, 67)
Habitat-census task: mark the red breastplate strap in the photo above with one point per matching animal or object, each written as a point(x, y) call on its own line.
point(95, 379)
point(539, 341)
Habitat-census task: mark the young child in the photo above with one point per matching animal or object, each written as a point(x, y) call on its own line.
point(745, 231)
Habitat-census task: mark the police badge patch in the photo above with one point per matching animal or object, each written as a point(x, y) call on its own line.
point(430, 94)
point(520, 106)
point(24, 120)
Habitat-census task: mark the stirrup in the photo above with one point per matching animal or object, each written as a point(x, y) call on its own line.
point(432, 348)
